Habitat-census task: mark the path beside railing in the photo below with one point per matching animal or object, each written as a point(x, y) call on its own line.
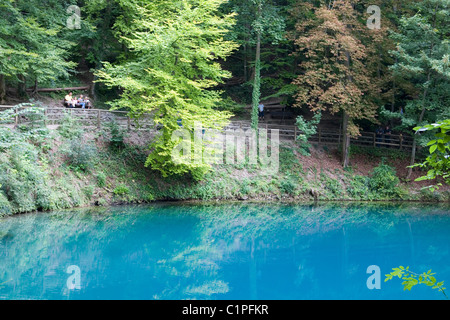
point(96, 118)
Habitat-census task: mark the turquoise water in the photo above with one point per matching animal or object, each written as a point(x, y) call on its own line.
point(226, 251)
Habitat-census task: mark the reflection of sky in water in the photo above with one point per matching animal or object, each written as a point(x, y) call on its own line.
point(228, 251)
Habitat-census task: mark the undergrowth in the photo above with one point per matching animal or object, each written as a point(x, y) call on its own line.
point(49, 170)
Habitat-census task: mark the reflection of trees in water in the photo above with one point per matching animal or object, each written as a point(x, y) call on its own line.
point(258, 229)
point(188, 258)
point(40, 246)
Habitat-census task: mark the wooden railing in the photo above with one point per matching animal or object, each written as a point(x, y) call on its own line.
point(96, 118)
point(329, 137)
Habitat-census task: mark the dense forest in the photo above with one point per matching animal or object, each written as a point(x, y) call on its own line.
point(360, 64)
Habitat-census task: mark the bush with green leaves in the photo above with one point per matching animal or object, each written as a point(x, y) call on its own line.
point(121, 190)
point(438, 160)
point(70, 128)
point(23, 180)
point(5, 206)
point(80, 155)
point(101, 179)
point(383, 182)
point(307, 130)
point(358, 187)
point(289, 185)
point(114, 134)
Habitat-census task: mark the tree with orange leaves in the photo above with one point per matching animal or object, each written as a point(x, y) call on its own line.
point(330, 39)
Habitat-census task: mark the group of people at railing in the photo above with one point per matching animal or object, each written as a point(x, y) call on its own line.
point(72, 102)
point(381, 132)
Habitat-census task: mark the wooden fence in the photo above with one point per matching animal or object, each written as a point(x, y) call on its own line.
point(328, 137)
point(97, 118)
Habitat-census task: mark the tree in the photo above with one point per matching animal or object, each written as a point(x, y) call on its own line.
point(32, 44)
point(333, 74)
point(259, 23)
point(423, 60)
point(170, 70)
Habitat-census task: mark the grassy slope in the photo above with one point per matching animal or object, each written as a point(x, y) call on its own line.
point(72, 167)
point(59, 177)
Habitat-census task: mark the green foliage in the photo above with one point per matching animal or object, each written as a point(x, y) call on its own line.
point(331, 186)
point(33, 43)
point(438, 162)
point(5, 206)
point(289, 185)
point(422, 67)
point(172, 70)
point(115, 135)
point(121, 190)
point(358, 187)
point(101, 179)
point(23, 181)
point(80, 155)
point(411, 279)
point(70, 128)
point(384, 181)
point(307, 130)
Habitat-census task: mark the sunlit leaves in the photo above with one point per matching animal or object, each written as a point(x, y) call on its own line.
point(171, 69)
point(411, 279)
point(438, 162)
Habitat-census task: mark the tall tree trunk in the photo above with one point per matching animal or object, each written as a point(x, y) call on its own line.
point(22, 86)
point(414, 146)
point(2, 89)
point(256, 95)
point(345, 119)
point(345, 141)
point(35, 87)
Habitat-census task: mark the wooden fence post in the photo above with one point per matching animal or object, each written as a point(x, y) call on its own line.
point(98, 119)
point(401, 141)
point(374, 139)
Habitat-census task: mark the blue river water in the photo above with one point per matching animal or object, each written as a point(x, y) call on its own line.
point(233, 251)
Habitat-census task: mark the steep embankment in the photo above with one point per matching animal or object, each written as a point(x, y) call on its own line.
point(43, 169)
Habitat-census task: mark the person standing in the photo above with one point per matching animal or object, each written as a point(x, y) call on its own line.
point(379, 134)
point(261, 111)
point(387, 136)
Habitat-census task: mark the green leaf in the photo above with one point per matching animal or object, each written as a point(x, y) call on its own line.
point(433, 148)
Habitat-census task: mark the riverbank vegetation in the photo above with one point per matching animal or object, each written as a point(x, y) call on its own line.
point(42, 169)
point(341, 65)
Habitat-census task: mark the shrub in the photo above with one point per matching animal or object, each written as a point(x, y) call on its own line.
point(5, 206)
point(70, 128)
point(358, 187)
point(101, 179)
point(88, 191)
point(121, 190)
point(288, 185)
point(80, 155)
point(307, 130)
point(23, 181)
point(115, 135)
point(384, 182)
